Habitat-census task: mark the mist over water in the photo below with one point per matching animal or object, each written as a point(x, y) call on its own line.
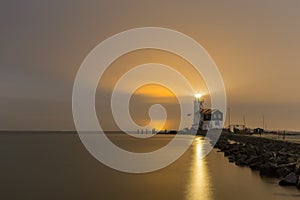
point(57, 166)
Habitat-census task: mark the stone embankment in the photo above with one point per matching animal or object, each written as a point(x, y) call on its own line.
point(271, 158)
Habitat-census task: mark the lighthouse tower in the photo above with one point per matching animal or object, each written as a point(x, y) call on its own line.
point(198, 106)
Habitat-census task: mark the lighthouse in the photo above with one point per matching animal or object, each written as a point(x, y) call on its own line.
point(198, 107)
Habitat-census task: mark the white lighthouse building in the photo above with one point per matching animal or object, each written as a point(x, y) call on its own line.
point(198, 107)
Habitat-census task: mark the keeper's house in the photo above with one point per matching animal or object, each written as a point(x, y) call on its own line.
point(211, 119)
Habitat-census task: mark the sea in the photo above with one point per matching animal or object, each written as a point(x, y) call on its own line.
point(56, 165)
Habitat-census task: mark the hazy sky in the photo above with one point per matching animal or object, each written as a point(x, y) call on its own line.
point(255, 44)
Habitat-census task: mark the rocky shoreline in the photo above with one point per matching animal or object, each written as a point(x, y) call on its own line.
point(272, 158)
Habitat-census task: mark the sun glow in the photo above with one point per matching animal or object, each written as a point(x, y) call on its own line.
point(155, 90)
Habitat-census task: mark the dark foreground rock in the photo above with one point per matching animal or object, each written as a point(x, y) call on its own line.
point(271, 158)
point(290, 179)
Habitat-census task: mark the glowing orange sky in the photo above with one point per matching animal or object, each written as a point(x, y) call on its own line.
point(153, 90)
point(150, 94)
point(255, 44)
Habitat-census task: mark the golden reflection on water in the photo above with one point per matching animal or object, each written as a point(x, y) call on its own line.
point(199, 186)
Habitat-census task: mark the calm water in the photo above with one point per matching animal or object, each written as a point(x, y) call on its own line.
point(57, 166)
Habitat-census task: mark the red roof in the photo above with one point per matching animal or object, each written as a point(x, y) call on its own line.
point(208, 111)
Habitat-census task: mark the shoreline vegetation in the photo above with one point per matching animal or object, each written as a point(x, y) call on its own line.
point(272, 158)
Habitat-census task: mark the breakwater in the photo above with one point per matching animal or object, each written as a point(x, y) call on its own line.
point(271, 158)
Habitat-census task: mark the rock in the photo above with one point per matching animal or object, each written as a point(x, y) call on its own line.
point(273, 158)
point(283, 172)
point(282, 160)
point(297, 167)
point(252, 159)
point(268, 170)
point(231, 158)
point(291, 160)
point(281, 153)
point(226, 153)
point(242, 160)
point(268, 156)
point(290, 179)
point(255, 166)
point(291, 166)
point(238, 156)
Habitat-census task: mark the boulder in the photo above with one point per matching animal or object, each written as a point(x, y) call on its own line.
point(255, 166)
point(291, 166)
point(283, 172)
point(268, 170)
point(282, 160)
point(273, 158)
point(291, 160)
point(242, 160)
point(252, 159)
point(231, 158)
point(297, 167)
point(227, 153)
point(289, 180)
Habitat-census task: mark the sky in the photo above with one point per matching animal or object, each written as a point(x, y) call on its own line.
point(255, 44)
